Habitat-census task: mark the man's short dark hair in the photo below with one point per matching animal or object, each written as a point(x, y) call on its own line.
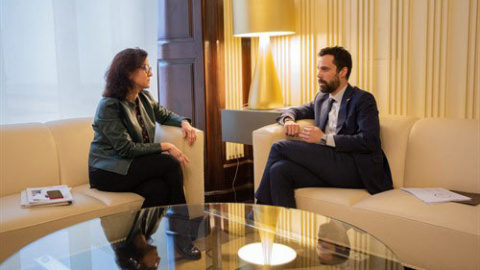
point(341, 57)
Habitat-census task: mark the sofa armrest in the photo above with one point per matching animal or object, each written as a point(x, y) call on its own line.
point(193, 173)
point(263, 138)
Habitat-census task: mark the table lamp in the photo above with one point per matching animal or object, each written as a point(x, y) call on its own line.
point(264, 18)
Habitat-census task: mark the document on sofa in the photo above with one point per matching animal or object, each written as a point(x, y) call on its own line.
point(475, 197)
point(436, 195)
point(46, 196)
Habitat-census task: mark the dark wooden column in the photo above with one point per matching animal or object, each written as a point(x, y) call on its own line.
point(213, 37)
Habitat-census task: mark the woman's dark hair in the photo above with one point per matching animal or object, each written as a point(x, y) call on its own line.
point(117, 76)
point(341, 58)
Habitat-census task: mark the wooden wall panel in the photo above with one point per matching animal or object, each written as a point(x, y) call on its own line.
point(472, 104)
point(442, 60)
point(282, 56)
point(172, 73)
point(309, 48)
point(180, 59)
point(179, 11)
point(398, 56)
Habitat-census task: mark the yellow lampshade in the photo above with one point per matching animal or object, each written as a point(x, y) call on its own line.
point(252, 18)
point(264, 18)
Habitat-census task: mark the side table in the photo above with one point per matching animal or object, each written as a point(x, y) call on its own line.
point(238, 125)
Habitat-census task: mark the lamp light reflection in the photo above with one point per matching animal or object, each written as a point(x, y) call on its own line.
point(253, 253)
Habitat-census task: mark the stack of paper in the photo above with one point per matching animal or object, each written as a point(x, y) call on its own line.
point(43, 196)
point(436, 195)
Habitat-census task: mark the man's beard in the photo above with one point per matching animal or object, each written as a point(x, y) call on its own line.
point(329, 87)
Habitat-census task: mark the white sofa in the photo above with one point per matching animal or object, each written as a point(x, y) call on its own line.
point(36, 154)
point(422, 153)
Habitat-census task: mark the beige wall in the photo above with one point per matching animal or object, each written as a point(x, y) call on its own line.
point(418, 57)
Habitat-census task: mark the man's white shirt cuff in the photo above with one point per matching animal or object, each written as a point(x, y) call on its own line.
point(330, 140)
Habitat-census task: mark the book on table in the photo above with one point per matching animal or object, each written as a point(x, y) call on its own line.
point(46, 196)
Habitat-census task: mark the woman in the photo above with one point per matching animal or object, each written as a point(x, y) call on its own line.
point(123, 156)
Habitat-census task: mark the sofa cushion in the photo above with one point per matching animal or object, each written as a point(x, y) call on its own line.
point(454, 216)
point(332, 202)
point(15, 217)
point(28, 158)
point(444, 153)
point(21, 226)
point(394, 131)
point(72, 139)
point(444, 236)
point(126, 200)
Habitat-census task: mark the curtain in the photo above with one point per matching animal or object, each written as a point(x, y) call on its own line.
point(54, 53)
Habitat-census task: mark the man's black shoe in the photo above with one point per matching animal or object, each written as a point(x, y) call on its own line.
point(186, 249)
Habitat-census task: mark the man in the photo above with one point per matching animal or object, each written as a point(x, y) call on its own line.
point(342, 150)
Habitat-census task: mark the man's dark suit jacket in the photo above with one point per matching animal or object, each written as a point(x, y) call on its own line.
point(358, 133)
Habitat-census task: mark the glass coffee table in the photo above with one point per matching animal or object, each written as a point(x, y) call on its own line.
point(229, 236)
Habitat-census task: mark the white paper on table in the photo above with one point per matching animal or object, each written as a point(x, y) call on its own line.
point(436, 195)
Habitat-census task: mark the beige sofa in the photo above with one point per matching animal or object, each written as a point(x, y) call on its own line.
point(35, 155)
point(422, 153)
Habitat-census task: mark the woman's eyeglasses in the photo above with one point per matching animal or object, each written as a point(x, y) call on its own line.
point(147, 68)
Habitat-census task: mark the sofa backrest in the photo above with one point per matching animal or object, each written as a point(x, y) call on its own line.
point(28, 158)
point(394, 132)
point(73, 138)
point(444, 153)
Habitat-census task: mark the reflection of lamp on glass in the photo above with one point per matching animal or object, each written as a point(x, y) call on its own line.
point(264, 18)
point(267, 252)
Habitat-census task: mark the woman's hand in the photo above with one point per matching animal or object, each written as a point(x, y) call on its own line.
point(174, 151)
point(189, 132)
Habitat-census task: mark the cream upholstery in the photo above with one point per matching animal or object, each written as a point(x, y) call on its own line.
point(194, 173)
point(27, 146)
point(71, 136)
point(334, 202)
point(125, 200)
point(438, 236)
point(444, 152)
point(421, 153)
point(394, 131)
point(54, 153)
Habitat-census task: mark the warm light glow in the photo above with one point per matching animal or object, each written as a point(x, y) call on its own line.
point(253, 17)
point(269, 33)
point(264, 18)
point(253, 253)
point(264, 43)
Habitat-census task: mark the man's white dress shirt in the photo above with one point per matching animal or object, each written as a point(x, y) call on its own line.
point(331, 126)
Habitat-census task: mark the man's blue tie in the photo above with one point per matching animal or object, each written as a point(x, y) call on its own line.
point(329, 107)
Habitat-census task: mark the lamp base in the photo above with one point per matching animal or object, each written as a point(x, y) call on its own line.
point(265, 93)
